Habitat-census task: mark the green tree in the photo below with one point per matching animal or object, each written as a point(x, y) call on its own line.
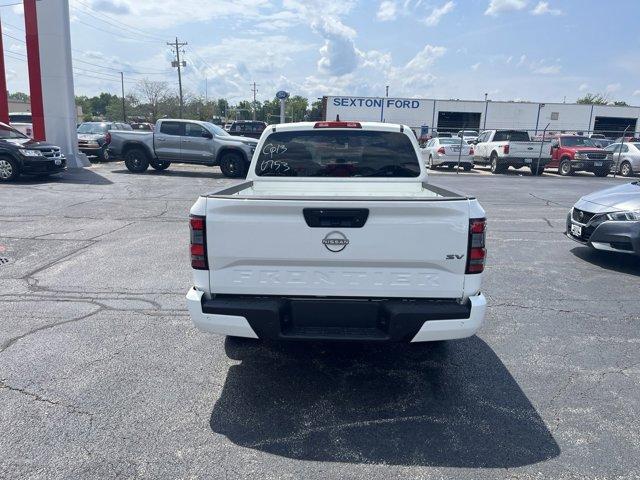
point(593, 99)
point(620, 103)
point(20, 97)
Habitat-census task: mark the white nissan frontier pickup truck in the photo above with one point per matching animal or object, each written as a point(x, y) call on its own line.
point(336, 235)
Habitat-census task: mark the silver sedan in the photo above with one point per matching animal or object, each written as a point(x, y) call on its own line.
point(627, 157)
point(440, 152)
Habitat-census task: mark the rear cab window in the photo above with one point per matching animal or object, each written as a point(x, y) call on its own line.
point(172, 128)
point(337, 153)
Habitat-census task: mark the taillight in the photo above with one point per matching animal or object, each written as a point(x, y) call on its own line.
point(477, 252)
point(197, 226)
point(441, 151)
point(107, 138)
point(471, 151)
point(505, 149)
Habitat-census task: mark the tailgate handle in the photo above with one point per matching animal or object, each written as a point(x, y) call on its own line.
point(336, 217)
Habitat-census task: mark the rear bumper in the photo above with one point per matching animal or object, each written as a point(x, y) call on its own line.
point(452, 160)
point(415, 320)
point(524, 162)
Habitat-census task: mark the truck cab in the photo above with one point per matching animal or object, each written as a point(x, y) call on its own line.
point(574, 153)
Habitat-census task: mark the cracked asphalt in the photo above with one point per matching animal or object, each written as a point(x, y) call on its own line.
point(103, 376)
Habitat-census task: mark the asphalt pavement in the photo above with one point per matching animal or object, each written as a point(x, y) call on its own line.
point(102, 374)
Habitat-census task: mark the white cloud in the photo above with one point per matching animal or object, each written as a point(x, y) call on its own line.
point(426, 57)
point(522, 61)
point(439, 12)
point(636, 93)
point(475, 66)
point(338, 55)
point(612, 87)
point(387, 10)
point(499, 6)
point(542, 8)
point(583, 87)
point(547, 69)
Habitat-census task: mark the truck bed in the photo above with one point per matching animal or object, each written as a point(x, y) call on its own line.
point(336, 191)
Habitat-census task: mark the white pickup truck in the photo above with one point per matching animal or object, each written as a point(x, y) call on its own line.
point(501, 149)
point(336, 235)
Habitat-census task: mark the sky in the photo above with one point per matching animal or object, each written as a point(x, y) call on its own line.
point(528, 50)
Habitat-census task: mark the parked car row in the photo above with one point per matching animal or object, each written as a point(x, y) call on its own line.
point(563, 153)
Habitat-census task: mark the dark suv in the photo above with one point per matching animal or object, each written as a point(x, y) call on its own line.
point(247, 128)
point(20, 154)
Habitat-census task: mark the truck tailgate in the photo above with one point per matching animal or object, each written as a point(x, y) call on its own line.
point(365, 248)
point(529, 149)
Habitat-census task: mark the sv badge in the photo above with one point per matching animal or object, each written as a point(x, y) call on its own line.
point(455, 257)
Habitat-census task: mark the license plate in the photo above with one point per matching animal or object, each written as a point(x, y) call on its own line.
point(576, 230)
point(455, 149)
point(528, 160)
point(57, 161)
point(597, 164)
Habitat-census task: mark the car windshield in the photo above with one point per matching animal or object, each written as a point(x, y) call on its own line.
point(216, 129)
point(92, 128)
point(338, 153)
point(8, 132)
point(578, 142)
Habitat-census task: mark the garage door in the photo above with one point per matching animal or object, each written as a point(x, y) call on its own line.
point(614, 126)
point(455, 121)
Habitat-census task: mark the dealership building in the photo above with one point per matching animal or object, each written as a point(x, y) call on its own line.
point(425, 114)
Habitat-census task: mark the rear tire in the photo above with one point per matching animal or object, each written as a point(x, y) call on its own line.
point(159, 165)
point(495, 166)
point(136, 160)
point(467, 168)
point(626, 170)
point(233, 165)
point(9, 169)
point(536, 172)
point(601, 172)
point(104, 155)
point(565, 168)
point(431, 165)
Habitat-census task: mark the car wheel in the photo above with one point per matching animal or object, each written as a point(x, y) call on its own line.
point(601, 172)
point(9, 169)
point(537, 171)
point(625, 169)
point(565, 168)
point(467, 168)
point(233, 165)
point(451, 167)
point(159, 165)
point(104, 155)
point(136, 160)
point(495, 167)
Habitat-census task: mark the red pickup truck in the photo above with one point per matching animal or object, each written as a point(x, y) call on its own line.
point(573, 153)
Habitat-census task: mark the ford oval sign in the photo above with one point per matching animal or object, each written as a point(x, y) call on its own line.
point(335, 241)
point(281, 95)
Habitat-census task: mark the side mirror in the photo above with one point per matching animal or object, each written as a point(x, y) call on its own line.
point(208, 135)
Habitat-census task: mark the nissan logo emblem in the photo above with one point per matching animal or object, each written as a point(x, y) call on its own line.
point(335, 241)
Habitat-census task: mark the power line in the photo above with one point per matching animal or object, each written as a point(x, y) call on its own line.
point(111, 32)
point(119, 23)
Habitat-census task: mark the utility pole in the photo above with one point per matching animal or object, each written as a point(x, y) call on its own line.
point(177, 63)
point(206, 90)
point(255, 90)
point(387, 91)
point(124, 110)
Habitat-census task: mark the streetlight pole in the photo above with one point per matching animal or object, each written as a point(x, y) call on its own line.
point(486, 106)
point(387, 91)
point(124, 111)
point(540, 105)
